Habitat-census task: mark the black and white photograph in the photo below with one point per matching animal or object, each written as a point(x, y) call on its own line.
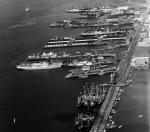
point(74, 65)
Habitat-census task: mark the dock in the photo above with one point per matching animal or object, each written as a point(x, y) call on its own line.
point(120, 79)
point(95, 42)
point(86, 73)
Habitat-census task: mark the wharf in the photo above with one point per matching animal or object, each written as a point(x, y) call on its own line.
point(121, 76)
point(94, 43)
point(116, 38)
point(86, 55)
point(69, 45)
point(77, 25)
point(86, 73)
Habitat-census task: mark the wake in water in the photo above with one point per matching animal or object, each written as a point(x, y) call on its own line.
point(23, 24)
point(28, 19)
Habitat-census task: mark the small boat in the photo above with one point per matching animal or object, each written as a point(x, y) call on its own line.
point(140, 116)
point(120, 126)
point(27, 9)
point(91, 96)
point(110, 126)
point(113, 111)
point(118, 98)
point(14, 121)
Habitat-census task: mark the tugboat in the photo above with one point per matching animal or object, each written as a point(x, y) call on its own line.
point(27, 9)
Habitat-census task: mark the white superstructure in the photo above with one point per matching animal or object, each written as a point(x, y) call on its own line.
point(38, 66)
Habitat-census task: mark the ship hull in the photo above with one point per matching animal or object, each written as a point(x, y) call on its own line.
point(38, 67)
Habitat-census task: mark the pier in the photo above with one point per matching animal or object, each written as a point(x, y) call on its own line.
point(93, 42)
point(120, 79)
point(86, 73)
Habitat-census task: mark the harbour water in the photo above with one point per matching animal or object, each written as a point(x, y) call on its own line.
point(43, 101)
point(133, 108)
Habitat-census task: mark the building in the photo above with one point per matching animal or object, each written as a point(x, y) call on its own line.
point(140, 62)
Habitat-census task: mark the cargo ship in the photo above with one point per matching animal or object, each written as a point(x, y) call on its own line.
point(38, 66)
point(76, 63)
point(101, 33)
point(91, 14)
point(41, 56)
point(67, 24)
point(77, 10)
point(73, 24)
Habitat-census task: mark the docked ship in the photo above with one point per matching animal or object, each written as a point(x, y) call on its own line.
point(41, 56)
point(92, 14)
point(38, 66)
point(76, 10)
point(76, 63)
point(89, 15)
point(27, 9)
point(73, 24)
point(102, 33)
point(82, 10)
point(71, 42)
point(67, 24)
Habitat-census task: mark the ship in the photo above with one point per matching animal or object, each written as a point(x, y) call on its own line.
point(41, 56)
point(82, 10)
point(27, 9)
point(89, 33)
point(38, 66)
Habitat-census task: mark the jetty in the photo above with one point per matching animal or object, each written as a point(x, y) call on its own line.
point(87, 72)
